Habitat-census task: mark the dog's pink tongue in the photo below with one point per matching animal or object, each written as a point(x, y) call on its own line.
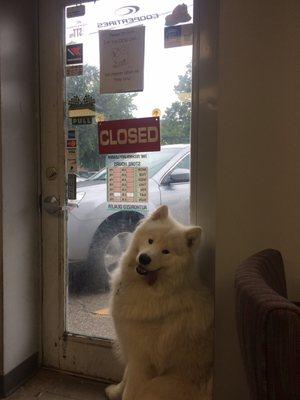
point(151, 277)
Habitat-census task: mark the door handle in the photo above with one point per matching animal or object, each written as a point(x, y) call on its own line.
point(51, 205)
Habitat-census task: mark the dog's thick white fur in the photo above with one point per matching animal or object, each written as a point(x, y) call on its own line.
point(162, 315)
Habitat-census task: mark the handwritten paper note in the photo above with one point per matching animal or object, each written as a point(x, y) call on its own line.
point(122, 60)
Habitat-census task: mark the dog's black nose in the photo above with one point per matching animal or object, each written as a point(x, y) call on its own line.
point(144, 259)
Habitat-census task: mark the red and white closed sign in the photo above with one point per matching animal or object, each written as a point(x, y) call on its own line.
point(129, 136)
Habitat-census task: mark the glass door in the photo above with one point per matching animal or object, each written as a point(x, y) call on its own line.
point(106, 64)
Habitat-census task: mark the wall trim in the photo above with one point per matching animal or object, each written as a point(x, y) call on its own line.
point(15, 378)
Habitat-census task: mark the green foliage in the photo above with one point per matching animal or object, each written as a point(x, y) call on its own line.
point(112, 106)
point(176, 122)
point(185, 81)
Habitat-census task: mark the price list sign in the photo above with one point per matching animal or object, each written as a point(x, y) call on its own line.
point(127, 182)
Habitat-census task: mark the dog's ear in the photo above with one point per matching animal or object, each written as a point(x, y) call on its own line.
point(160, 213)
point(192, 235)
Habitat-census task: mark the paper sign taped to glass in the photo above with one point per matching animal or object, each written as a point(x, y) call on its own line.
point(122, 60)
point(127, 182)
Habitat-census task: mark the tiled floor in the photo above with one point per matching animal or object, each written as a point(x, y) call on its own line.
point(49, 385)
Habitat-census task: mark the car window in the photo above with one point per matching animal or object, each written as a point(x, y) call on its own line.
point(185, 163)
point(158, 159)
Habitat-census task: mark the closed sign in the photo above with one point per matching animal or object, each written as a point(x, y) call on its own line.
point(129, 136)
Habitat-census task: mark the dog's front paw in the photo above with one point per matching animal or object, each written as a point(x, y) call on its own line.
point(113, 392)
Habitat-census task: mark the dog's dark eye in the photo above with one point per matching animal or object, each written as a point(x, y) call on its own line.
point(150, 241)
point(165, 251)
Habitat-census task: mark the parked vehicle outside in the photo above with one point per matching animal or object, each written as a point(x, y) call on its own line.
point(97, 236)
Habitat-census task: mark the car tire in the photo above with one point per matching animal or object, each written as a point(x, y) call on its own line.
point(115, 229)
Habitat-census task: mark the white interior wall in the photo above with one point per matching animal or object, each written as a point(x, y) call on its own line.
point(19, 177)
point(258, 172)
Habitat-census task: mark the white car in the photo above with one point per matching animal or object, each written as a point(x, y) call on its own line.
point(97, 236)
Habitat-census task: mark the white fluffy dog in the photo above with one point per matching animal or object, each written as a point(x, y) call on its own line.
point(162, 315)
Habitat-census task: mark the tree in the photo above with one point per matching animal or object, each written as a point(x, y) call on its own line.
point(112, 106)
point(176, 123)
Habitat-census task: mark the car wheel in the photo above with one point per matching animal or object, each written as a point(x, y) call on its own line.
point(109, 243)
